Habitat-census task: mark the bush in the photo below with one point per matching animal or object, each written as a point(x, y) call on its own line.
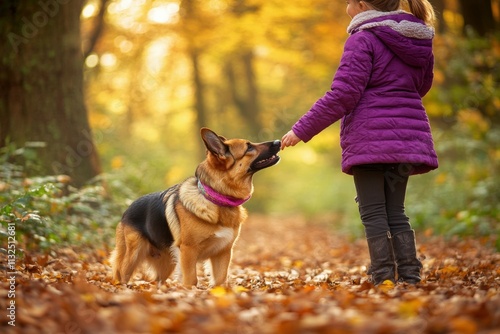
point(48, 211)
point(462, 197)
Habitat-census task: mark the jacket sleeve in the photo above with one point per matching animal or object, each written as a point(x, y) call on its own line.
point(347, 88)
point(428, 78)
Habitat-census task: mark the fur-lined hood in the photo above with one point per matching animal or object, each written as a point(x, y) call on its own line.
point(406, 35)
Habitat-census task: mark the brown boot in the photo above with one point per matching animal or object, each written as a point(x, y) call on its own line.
point(405, 252)
point(382, 265)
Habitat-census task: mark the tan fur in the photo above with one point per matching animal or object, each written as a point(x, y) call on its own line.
point(195, 202)
point(201, 229)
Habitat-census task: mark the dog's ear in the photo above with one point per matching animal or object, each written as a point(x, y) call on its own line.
point(214, 143)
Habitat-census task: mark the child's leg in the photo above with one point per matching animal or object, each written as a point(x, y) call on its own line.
point(370, 191)
point(403, 237)
point(369, 182)
point(395, 191)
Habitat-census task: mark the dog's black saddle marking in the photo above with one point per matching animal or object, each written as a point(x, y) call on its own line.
point(147, 216)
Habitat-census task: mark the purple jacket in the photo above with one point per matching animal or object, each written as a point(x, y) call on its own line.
point(386, 69)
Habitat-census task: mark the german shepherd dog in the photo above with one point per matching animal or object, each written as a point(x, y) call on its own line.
point(196, 220)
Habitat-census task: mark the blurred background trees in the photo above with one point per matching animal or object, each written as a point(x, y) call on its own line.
point(155, 71)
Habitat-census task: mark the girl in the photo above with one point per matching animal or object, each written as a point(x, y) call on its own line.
point(385, 70)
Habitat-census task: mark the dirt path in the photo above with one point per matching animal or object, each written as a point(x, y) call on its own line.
point(287, 277)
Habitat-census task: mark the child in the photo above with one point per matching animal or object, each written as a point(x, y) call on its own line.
point(386, 69)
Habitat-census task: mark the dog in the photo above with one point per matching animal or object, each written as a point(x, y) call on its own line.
point(196, 220)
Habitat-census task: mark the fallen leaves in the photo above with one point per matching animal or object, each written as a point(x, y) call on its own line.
point(386, 286)
point(287, 277)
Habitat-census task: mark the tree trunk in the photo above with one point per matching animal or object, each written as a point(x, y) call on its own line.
point(194, 50)
point(199, 89)
point(478, 15)
point(41, 84)
point(252, 109)
point(243, 90)
point(240, 74)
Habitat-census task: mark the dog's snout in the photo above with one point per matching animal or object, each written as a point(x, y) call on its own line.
point(277, 143)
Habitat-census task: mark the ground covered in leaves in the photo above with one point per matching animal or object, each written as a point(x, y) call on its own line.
point(287, 276)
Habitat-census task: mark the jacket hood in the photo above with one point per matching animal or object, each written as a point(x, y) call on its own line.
point(403, 33)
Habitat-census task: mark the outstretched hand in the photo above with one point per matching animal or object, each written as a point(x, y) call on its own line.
point(289, 139)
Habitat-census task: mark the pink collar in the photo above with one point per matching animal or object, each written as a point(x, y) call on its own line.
point(218, 198)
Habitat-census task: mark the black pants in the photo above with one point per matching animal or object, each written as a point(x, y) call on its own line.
point(381, 190)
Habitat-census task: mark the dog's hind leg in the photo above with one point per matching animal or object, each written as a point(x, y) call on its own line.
point(135, 252)
point(116, 258)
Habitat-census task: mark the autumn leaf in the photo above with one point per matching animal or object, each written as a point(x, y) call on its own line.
point(386, 286)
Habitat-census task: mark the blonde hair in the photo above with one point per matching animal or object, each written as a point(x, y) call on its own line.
point(420, 8)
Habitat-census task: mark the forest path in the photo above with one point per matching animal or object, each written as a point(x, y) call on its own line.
point(287, 276)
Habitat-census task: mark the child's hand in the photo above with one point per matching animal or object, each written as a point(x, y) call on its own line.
point(289, 139)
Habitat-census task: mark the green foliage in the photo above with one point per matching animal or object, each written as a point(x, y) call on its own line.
point(462, 197)
point(21, 212)
point(47, 211)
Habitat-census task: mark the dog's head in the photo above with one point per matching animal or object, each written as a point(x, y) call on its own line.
point(236, 160)
point(240, 153)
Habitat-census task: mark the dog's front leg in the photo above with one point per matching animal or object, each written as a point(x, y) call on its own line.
point(188, 259)
point(220, 265)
